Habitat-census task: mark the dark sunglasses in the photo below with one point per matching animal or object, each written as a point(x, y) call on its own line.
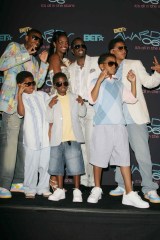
point(79, 46)
point(59, 84)
point(120, 48)
point(111, 63)
point(36, 38)
point(28, 84)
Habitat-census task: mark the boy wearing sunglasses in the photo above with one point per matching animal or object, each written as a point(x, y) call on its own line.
point(110, 140)
point(66, 137)
point(137, 117)
point(32, 106)
point(16, 58)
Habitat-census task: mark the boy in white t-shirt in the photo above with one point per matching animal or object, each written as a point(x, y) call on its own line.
point(32, 106)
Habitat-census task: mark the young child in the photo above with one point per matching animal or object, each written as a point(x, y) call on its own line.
point(64, 111)
point(32, 105)
point(110, 138)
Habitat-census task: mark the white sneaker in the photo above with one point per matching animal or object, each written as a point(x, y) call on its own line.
point(152, 196)
point(57, 195)
point(133, 199)
point(30, 195)
point(95, 195)
point(77, 195)
point(47, 194)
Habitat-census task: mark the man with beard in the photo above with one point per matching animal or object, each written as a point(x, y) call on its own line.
point(80, 77)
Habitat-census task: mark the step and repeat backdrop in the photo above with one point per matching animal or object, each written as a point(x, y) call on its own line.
point(136, 21)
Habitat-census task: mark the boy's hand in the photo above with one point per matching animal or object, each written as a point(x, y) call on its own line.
point(53, 101)
point(103, 75)
point(43, 56)
point(80, 100)
point(21, 88)
point(131, 76)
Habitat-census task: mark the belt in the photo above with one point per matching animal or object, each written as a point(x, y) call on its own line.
point(85, 100)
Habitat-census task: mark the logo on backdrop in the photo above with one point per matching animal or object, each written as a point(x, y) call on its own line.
point(148, 4)
point(93, 37)
point(57, 4)
point(155, 172)
point(47, 35)
point(5, 37)
point(154, 128)
point(149, 38)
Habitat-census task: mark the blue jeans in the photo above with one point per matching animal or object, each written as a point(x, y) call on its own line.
point(12, 160)
point(69, 155)
point(138, 139)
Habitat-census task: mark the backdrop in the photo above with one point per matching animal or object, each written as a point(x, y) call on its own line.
point(136, 21)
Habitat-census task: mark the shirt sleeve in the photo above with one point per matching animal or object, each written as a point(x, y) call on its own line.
point(89, 93)
point(13, 56)
point(128, 97)
point(49, 111)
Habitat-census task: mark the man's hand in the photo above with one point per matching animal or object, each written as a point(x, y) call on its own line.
point(156, 66)
point(43, 56)
point(80, 100)
point(32, 49)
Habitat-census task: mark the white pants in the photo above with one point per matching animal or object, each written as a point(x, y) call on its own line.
point(36, 177)
point(87, 127)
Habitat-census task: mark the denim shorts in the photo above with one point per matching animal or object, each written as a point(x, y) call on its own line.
point(66, 157)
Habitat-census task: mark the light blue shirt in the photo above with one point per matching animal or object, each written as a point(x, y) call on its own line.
point(108, 107)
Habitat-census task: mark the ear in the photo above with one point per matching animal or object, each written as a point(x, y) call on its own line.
point(72, 51)
point(101, 66)
point(26, 38)
point(54, 44)
point(112, 51)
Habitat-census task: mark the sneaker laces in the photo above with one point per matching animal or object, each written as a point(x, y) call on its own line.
point(95, 191)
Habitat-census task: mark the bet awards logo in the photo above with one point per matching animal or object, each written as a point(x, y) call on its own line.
point(151, 1)
point(57, 1)
point(154, 128)
point(57, 4)
point(147, 37)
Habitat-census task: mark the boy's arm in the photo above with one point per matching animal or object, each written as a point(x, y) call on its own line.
point(20, 105)
point(95, 90)
point(50, 110)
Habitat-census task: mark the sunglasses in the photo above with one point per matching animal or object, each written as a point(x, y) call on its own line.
point(111, 63)
point(78, 46)
point(120, 48)
point(28, 84)
point(59, 84)
point(36, 38)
